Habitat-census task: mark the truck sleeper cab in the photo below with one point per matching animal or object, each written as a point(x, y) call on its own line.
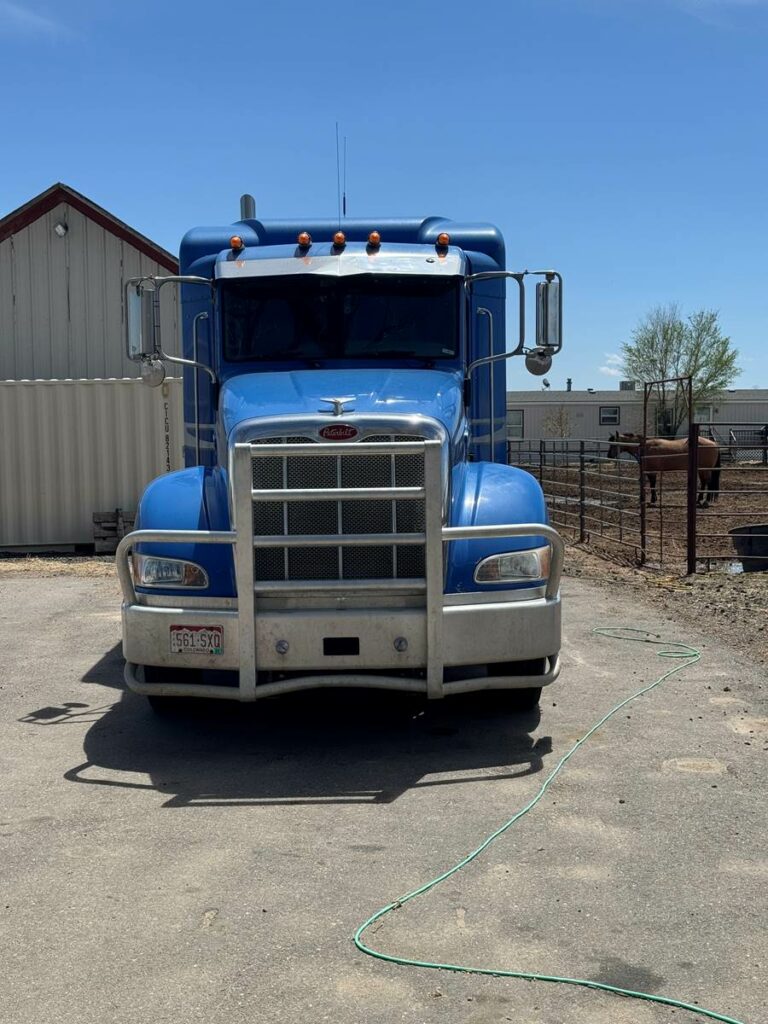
point(346, 517)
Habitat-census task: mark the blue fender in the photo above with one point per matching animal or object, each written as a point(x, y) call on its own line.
point(490, 494)
point(190, 499)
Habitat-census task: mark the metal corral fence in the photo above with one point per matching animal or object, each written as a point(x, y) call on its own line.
point(73, 448)
point(693, 519)
point(734, 527)
point(591, 498)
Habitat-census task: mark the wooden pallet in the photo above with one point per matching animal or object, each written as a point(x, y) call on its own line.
point(109, 528)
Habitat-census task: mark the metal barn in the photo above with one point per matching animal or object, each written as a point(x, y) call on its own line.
point(80, 433)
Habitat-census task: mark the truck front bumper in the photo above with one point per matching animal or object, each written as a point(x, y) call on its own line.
point(298, 648)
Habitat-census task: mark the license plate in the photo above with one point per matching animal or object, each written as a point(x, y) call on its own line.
point(197, 639)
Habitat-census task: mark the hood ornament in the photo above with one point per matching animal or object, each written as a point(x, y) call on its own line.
point(338, 405)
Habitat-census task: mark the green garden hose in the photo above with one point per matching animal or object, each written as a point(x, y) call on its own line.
point(686, 656)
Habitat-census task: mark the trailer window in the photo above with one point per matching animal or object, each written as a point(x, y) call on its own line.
point(515, 421)
point(365, 316)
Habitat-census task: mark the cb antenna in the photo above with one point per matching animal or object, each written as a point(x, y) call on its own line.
point(344, 182)
point(341, 177)
point(338, 175)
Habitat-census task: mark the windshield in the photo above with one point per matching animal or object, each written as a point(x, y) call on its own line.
point(357, 317)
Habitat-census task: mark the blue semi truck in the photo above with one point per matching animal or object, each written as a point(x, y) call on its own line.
point(346, 516)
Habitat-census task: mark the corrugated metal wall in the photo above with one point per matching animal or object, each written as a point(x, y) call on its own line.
point(70, 448)
point(62, 300)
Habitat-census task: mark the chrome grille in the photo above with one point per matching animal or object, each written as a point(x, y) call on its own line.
point(275, 518)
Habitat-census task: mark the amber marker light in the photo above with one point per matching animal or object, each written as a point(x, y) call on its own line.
point(236, 243)
point(374, 239)
point(339, 239)
point(443, 240)
point(304, 239)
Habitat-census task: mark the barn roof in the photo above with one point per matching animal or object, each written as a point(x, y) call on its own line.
point(18, 219)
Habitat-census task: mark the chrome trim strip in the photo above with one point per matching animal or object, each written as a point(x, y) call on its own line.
point(193, 602)
point(423, 261)
point(335, 540)
point(324, 447)
point(345, 586)
point(340, 493)
point(494, 597)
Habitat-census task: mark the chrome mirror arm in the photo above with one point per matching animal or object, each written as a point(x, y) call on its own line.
point(519, 276)
point(158, 283)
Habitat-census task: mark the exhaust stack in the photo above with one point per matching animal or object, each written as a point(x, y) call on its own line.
point(247, 207)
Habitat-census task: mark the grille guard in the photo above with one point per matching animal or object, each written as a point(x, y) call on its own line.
point(433, 538)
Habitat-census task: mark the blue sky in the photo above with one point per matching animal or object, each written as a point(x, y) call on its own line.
point(621, 141)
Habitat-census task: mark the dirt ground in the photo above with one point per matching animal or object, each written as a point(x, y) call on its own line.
point(56, 565)
point(733, 608)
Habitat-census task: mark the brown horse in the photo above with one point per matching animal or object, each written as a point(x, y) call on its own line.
point(662, 454)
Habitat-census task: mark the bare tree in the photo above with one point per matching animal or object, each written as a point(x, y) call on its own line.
point(558, 422)
point(664, 345)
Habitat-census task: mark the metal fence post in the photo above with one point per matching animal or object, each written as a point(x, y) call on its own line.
point(582, 496)
point(693, 467)
point(643, 519)
point(542, 449)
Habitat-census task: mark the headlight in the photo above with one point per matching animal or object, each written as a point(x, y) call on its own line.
point(149, 571)
point(515, 566)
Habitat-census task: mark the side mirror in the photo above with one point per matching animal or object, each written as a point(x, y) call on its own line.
point(549, 308)
point(140, 306)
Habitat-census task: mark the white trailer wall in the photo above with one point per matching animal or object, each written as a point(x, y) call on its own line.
point(74, 447)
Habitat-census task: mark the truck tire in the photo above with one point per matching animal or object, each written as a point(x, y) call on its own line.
point(525, 699)
point(166, 706)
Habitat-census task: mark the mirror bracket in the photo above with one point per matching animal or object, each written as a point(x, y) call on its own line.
point(554, 308)
point(143, 318)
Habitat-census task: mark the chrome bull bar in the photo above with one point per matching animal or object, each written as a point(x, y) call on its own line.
point(249, 590)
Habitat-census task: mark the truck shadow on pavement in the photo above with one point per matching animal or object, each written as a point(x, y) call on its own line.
point(335, 747)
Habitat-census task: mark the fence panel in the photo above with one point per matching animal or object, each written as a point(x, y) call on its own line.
point(592, 496)
point(666, 516)
point(732, 530)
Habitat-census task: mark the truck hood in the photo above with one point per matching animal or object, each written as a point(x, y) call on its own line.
point(432, 393)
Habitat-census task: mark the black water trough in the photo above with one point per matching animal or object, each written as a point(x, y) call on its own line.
point(751, 543)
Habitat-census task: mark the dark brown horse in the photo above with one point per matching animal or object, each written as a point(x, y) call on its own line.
point(663, 454)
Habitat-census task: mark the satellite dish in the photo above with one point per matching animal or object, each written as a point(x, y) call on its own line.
point(546, 383)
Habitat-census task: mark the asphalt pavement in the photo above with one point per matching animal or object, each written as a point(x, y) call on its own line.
point(212, 868)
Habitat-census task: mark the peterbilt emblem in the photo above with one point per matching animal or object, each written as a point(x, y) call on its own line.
point(338, 405)
point(339, 432)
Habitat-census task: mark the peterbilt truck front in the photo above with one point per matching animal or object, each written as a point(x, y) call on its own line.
point(347, 516)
